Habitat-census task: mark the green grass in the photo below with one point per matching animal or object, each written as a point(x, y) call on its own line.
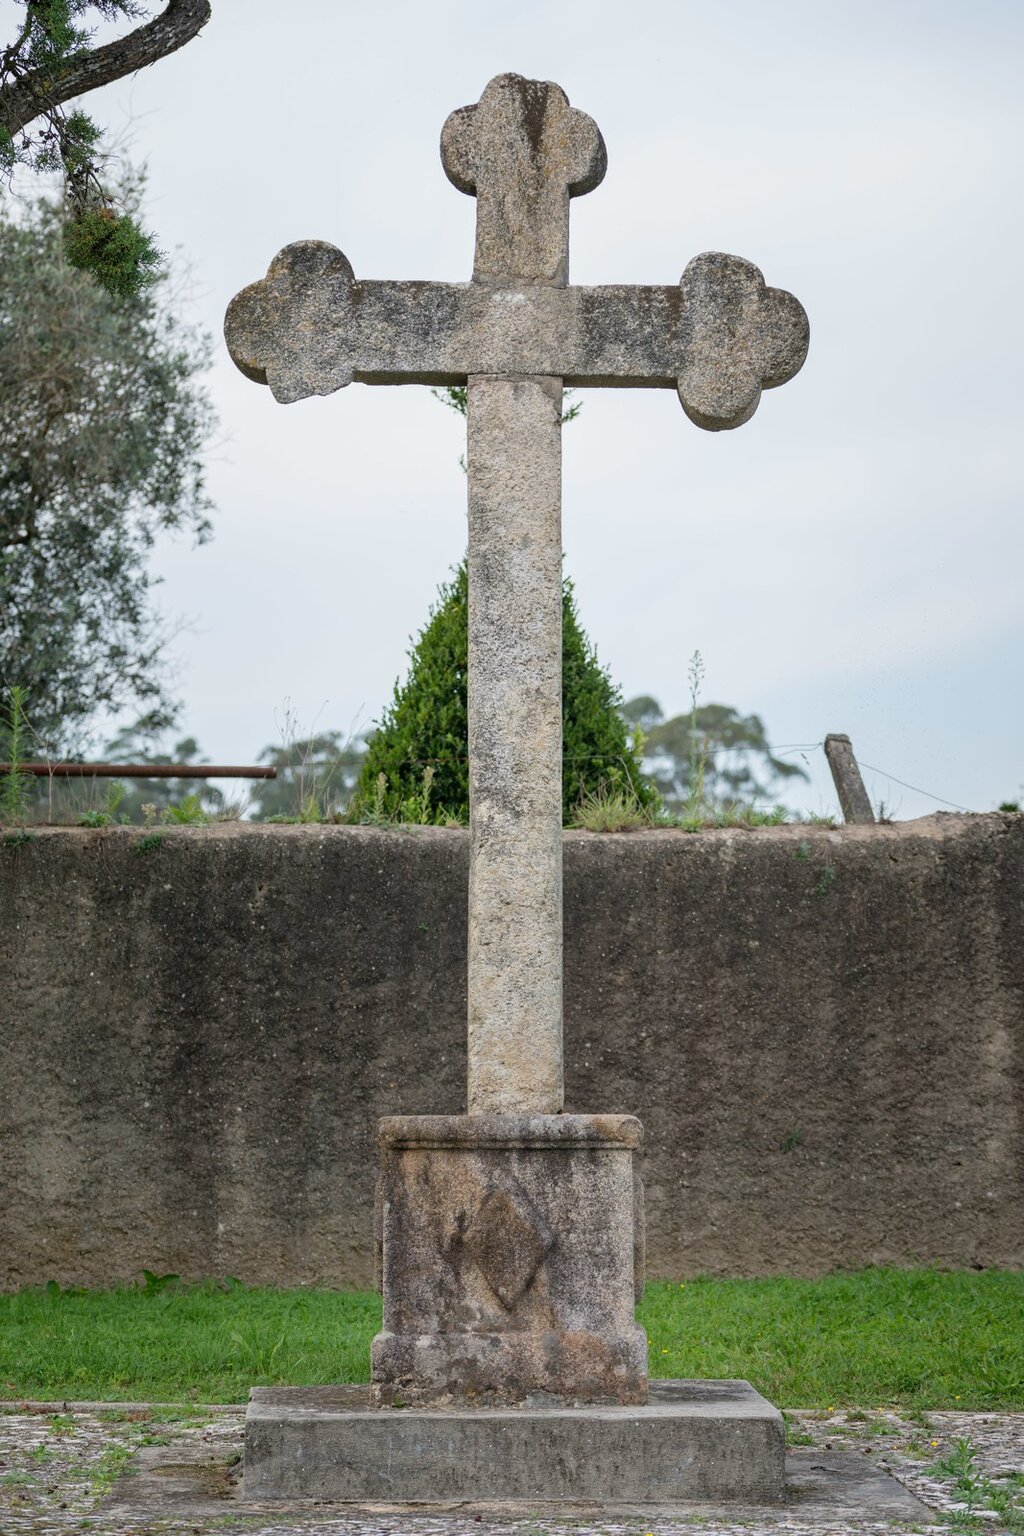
point(204, 1343)
point(910, 1338)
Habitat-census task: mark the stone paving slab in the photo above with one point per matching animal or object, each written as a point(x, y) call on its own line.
point(131, 1470)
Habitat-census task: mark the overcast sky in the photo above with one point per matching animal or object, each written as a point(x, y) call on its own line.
point(850, 560)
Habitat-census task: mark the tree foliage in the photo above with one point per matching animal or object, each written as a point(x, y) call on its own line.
point(426, 725)
point(727, 751)
point(49, 62)
point(101, 427)
point(118, 253)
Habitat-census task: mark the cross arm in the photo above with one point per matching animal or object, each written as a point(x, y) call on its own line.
point(719, 337)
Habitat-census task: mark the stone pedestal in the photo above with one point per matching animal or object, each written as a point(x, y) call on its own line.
point(694, 1441)
point(511, 1253)
point(510, 1366)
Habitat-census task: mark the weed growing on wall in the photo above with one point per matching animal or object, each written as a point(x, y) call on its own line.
point(108, 812)
point(188, 812)
point(611, 810)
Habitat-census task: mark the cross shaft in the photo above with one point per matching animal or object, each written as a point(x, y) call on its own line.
point(514, 982)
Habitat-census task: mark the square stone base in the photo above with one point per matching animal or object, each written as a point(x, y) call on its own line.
point(693, 1441)
point(511, 1254)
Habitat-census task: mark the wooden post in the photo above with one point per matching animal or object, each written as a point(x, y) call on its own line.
point(853, 797)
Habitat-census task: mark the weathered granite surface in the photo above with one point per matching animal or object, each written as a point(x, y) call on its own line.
point(515, 746)
point(512, 1253)
point(719, 336)
point(695, 1441)
point(522, 152)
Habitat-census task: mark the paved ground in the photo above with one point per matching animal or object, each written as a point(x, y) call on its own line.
point(124, 1471)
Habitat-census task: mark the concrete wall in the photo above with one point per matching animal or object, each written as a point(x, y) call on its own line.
point(823, 1033)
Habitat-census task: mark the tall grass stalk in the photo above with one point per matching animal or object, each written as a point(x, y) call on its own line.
point(15, 788)
point(694, 815)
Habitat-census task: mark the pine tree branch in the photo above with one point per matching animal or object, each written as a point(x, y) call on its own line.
point(44, 90)
point(9, 57)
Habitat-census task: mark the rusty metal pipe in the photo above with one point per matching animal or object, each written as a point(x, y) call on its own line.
point(141, 771)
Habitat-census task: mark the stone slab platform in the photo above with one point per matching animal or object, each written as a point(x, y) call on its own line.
point(694, 1441)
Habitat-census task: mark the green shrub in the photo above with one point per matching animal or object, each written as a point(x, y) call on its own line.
point(425, 726)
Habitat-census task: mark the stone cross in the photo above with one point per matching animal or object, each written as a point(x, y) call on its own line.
point(515, 335)
point(511, 1238)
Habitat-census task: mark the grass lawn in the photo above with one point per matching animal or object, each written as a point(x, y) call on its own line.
point(913, 1338)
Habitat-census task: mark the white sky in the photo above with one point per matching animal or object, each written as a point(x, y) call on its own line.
point(850, 560)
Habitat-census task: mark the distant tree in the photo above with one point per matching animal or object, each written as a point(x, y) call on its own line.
point(728, 751)
point(147, 799)
point(316, 776)
point(417, 765)
point(101, 428)
point(49, 62)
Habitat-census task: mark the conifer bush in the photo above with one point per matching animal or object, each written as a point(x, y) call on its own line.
point(417, 766)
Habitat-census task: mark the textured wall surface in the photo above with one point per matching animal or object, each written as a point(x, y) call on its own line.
point(823, 1033)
